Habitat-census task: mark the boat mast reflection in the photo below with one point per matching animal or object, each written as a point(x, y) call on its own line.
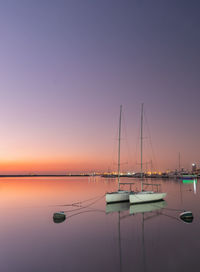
point(155, 210)
point(134, 209)
point(118, 208)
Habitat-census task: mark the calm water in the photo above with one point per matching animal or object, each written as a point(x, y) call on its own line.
point(95, 237)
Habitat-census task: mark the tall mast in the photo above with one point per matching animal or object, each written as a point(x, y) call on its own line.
point(119, 139)
point(179, 162)
point(141, 145)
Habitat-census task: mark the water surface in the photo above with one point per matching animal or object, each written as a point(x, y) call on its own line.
point(95, 237)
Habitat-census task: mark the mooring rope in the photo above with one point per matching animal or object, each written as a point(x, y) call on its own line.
point(86, 212)
point(80, 202)
point(83, 207)
point(172, 217)
point(176, 210)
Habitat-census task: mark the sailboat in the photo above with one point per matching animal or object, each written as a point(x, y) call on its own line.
point(120, 195)
point(144, 196)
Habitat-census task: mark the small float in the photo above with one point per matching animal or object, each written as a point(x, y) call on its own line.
point(186, 216)
point(59, 217)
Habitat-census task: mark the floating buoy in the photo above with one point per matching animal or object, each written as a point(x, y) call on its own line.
point(186, 216)
point(59, 217)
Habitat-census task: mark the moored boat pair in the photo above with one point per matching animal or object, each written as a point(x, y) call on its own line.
point(134, 197)
point(131, 196)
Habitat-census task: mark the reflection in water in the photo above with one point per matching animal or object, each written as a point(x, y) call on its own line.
point(134, 209)
point(119, 241)
point(148, 235)
point(195, 187)
point(117, 207)
point(149, 211)
point(191, 181)
point(60, 217)
point(147, 207)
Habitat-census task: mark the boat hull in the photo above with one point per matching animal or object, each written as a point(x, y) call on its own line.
point(119, 196)
point(187, 177)
point(143, 197)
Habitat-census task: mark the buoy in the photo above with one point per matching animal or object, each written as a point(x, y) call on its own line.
point(186, 216)
point(59, 217)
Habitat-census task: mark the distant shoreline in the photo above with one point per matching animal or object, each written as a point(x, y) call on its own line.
point(32, 176)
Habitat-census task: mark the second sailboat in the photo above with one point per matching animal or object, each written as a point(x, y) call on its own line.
point(120, 195)
point(144, 196)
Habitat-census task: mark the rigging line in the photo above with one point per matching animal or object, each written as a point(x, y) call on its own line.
point(114, 150)
point(126, 138)
point(111, 161)
point(150, 140)
point(137, 142)
point(148, 143)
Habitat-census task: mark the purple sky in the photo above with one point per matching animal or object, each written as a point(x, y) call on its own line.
point(66, 66)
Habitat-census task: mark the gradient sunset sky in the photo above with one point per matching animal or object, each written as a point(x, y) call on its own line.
point(66, 66)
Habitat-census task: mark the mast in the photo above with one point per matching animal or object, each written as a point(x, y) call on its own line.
point(119, 140)
point(179, 162)
point(151, 166)
point(141, 145)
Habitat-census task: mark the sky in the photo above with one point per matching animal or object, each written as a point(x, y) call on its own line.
point(67, 66)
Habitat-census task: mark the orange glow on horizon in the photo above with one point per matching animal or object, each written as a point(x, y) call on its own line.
point(50, 165)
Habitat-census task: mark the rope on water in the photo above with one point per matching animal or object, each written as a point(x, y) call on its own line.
point(85, 212)
point(83, 207)
point(169, 209)
point(176, 210)
point(172, 217)
point(80, 202)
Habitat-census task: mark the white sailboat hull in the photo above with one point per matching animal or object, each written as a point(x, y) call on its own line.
point(146, 196)
point(118, 196)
